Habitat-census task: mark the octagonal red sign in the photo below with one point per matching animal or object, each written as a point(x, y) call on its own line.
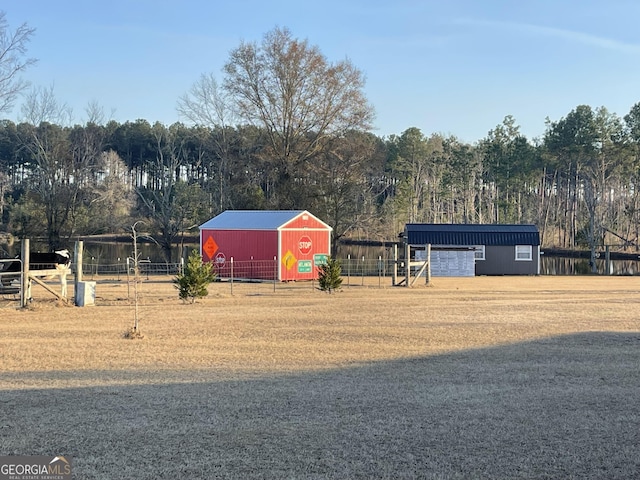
point(304, 245)
point(220, 259)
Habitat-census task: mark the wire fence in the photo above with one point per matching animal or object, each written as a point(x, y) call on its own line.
point(246, 277)
point(353, 270)
point(147, 269)
point(256, 276)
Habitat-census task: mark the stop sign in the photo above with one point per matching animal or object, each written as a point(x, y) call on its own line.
point(220, 259)
point(304, 245)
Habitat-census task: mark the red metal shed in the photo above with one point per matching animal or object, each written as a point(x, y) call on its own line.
point(285, 244)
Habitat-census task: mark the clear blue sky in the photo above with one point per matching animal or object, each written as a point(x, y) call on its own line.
point(445, 66)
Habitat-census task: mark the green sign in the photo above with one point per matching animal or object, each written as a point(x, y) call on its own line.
point(320, 259)
point(304, 266)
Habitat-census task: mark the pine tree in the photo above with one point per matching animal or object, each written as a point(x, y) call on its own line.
point(329, 275)
point(195, 279)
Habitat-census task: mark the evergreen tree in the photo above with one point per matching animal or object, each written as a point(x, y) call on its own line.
point(329, 275)
point(195, 279)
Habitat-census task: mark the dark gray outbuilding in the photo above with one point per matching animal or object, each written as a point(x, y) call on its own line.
point(500, 249)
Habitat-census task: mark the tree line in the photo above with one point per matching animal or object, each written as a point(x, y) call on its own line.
point(288, 129)
point(578, 184)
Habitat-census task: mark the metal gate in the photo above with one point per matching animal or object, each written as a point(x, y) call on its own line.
point(11, 282)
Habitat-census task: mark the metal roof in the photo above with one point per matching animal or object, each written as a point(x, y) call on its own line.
point(254, 219)
point(471, 234)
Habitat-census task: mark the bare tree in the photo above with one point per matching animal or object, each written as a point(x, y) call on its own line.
point(134, 332)
point(48, 145)
point(171, 203)
point(13, 47)
point(109, 197)
point(5, 185)
point(95, 113)
point(42, 106)
point(208, 105)
point(345, 190)
point(289, 88)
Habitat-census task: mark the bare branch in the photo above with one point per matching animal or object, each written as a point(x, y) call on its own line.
point(206, 104)
point(95, 113)
point(13, 47)
point(41, 105)
point(299, 97)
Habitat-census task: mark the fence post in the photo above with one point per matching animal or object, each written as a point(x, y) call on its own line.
point(379, 271)
point(231, 275)
point(349, 270)
point(407, 261)
point(384, 265)
point(394, 278)
point(128, 278)
point(78, 254)
point(275, 273)
point(362, 282)
point(25, 294)
point(428, 272)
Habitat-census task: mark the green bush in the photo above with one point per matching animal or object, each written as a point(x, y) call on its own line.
point(329, 275)
point(193, 282)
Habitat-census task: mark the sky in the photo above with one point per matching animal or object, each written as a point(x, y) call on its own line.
point(453, 67)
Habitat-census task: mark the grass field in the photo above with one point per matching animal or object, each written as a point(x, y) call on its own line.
point(486, 377)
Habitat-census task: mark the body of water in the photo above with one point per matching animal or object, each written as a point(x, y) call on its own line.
point(112, 256)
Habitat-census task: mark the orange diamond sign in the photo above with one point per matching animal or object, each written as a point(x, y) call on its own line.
point(210, 247)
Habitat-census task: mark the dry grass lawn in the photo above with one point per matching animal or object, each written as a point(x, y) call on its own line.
point(487, 377)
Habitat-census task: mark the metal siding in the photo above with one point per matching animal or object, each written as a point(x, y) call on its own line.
point(262, 220)
point(305, 220)
point(242, 245)
point(263, 235)
point(501, 260)
point(472, 234)
point(290, 238)
point(279, 256)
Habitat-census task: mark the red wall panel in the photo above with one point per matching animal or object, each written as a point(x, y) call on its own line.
point(301, 245)
point(304, 221)
point(241, 244)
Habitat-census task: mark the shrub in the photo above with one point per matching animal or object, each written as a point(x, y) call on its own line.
point(193, 282)
point(329, 275)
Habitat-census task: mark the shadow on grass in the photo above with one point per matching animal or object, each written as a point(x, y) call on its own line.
point(564, 407)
